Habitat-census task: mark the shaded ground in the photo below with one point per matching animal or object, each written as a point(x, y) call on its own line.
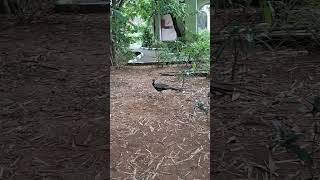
point(267, 85)
point(53, 99)
point(154, 135)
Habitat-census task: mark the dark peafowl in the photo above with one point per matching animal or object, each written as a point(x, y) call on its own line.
point(162, 87)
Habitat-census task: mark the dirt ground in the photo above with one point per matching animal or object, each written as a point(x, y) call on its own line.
point(158, 135)
point(268, 87)
point(53, 99)
point(53, 111)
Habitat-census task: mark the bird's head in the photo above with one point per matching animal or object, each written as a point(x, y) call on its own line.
point(153, 82)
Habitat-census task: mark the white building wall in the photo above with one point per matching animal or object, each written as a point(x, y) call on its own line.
point(168, 33)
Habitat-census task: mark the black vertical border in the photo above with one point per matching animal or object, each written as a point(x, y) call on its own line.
point(211, 78)
point(108, 119)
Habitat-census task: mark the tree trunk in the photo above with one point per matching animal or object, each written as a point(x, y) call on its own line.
point(175, 25)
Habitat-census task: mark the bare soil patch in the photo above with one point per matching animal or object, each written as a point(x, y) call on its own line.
point(158, 135)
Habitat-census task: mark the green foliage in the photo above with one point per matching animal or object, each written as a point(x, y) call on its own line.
point(139, 8)
point(200, 105)
point(147, 36)
point(176, 46)
point(175, 7)
point(153, 9)
point(148, 8)
point(157, 44)
point(198, 51)
point(171, 51)
point(164, 55)
point(185, 51)
point(120, 30)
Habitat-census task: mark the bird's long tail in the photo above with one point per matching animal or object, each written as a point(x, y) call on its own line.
point(175, 89)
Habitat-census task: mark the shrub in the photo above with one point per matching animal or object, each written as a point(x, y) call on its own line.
point(147, 37)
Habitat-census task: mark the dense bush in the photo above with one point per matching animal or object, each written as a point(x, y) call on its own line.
point(195, 50)
point(147, 37)
point(199, 49)
point(120, 31)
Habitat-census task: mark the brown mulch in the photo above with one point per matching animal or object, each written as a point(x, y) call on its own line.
point(269, 87)
point(53, 109)
point(53, 99)
point(158, 135)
